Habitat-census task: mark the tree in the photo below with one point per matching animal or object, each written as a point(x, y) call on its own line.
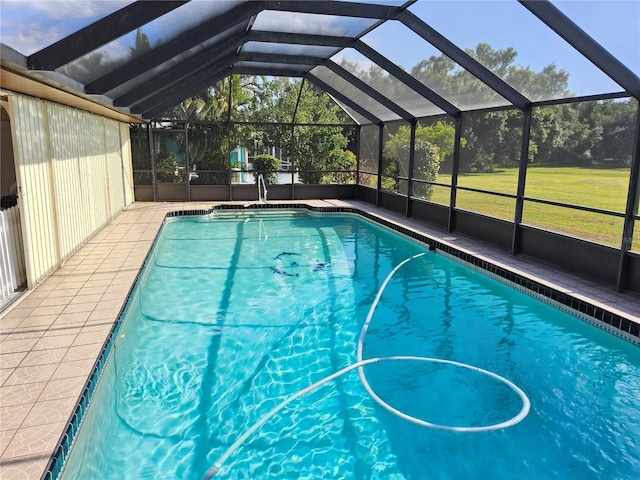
point(433, 143)
point(586, 134)
point(267, 166)
point(316, 149)
point(89, 67)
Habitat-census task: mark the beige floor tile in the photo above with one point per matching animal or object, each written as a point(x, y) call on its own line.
point(11, 417)
point(11, 360)
point(75, 368)
point(36, 373)
point(5, 374)
point(83, 352)
point(79, 277)
point(17, 394)
point(93, 299)
point(30, 302)
point(114, 305)
point(40, 439)
point(5, 438)
point(49, 411)
point(63, 388)
point(113, 297)
point(101, 315)
point(44, 357)
point(48, 310)
point(18, 312)
point(103, 276)
point(65, 328)
point(72, 317)
point(91, 338)
point(37, 293)
point(13, 346)
point(24, 468)
point(39, 321)
point(80, 308)
point(55, 341)
point(73, 285)
point(92, 291)
point(98, 283)
point(8, 324)
point(56, 300)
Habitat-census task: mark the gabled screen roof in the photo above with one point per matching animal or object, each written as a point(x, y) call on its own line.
point(380, 60)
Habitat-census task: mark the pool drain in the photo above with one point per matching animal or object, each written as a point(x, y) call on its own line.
point(359, 364)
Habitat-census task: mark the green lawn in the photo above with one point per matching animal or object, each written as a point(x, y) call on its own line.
point(598, 188)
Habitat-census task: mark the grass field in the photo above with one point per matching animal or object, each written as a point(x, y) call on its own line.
point(597, 188)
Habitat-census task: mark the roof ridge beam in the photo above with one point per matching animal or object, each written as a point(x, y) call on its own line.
point(338, 8)
point(463, 59)
point(300, 39)
point(280, 58)
point(99, 33)
point(266, 71)
point(176, 46)
point(343, 98)
point(557, 21)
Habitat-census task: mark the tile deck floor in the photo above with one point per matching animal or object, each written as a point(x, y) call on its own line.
point(51, 337)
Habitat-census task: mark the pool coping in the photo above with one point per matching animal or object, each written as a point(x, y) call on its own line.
point(562, 297)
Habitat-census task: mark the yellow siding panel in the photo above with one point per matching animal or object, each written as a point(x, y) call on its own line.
point(74, 175)
point(31, 151)
point(114, 166)
point(125, 148)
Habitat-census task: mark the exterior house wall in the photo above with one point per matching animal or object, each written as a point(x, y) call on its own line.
point(74, 176)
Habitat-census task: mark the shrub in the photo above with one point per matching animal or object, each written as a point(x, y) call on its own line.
point(268, 166)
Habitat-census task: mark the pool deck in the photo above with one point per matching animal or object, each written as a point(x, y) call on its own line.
point(51, 337)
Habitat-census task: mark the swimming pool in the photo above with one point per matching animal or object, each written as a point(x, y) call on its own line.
point(237, 311)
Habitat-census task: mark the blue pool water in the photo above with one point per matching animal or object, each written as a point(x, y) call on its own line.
point(236, 311)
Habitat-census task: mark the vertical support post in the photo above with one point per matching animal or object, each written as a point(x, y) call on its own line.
point(229, 149)
point(294, 161)
point(522, 175)
point(380, 149)
point(293, 123)
point(412, 154)
point(152, 159)
point(357, 140)
point(454, 174)
point(186, 162)
point(631, 210)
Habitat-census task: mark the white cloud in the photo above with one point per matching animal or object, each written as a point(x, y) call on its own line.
point(30, 25)
point(68, 9)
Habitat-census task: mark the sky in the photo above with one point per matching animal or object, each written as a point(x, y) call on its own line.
point(29, 25)
point(504, 24)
